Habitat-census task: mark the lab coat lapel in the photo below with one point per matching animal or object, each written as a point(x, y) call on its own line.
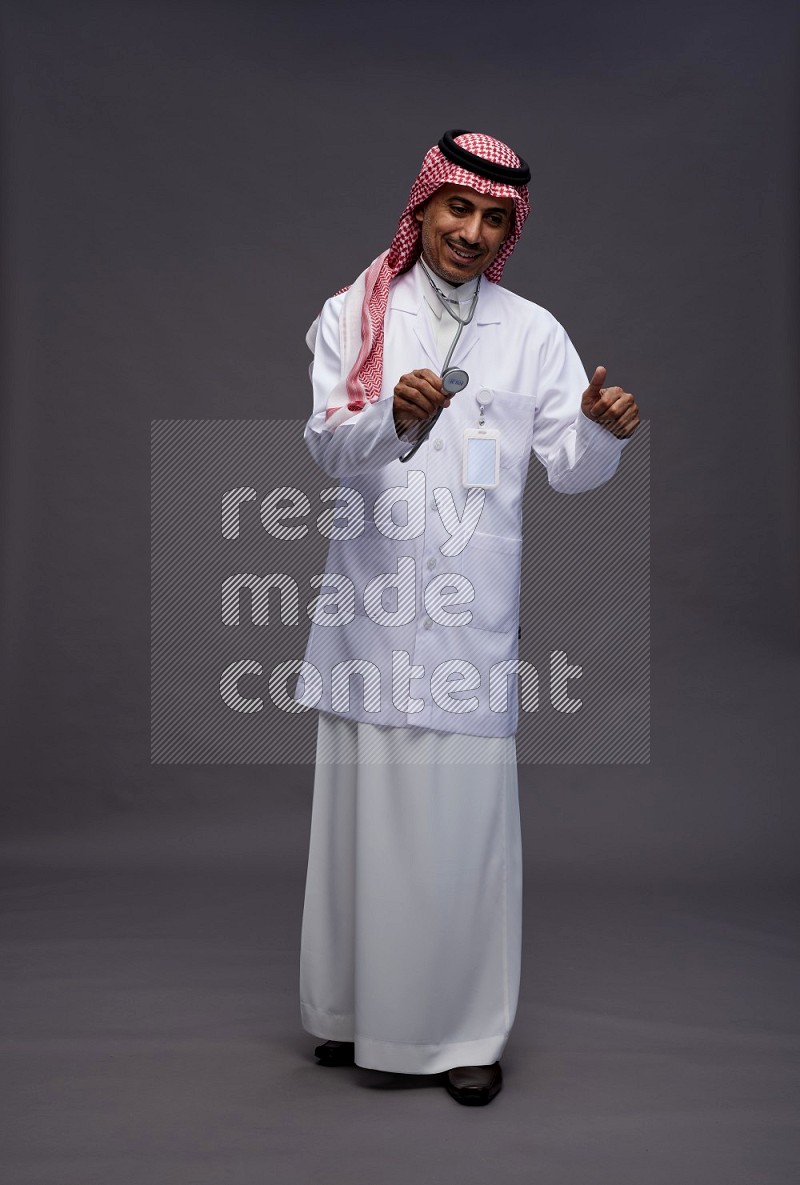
point(408, 296)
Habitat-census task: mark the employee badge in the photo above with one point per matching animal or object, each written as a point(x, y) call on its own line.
point(481, 452)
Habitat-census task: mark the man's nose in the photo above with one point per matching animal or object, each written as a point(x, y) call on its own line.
point(471, 229)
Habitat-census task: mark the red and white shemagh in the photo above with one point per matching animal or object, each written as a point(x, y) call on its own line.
point(361, 323)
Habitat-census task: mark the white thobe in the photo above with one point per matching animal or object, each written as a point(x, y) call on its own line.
point(412, 925)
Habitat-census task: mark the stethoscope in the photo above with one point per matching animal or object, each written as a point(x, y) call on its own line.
point(454, 379)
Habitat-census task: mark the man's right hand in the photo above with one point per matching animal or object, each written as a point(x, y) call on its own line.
point(417, 397)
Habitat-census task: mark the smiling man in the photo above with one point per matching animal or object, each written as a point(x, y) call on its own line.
point(428, 375)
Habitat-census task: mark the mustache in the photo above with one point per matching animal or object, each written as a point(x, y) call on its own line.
point(463, 245)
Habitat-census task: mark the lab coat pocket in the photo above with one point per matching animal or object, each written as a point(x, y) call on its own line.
point(512, 414)
point(491, 563)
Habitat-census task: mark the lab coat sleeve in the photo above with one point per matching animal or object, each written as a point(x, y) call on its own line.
point(577, 453)
point(368, 440)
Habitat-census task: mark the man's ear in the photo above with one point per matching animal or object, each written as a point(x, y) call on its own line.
point(419, 213)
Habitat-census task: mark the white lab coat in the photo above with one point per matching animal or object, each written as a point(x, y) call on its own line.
point(528, 375)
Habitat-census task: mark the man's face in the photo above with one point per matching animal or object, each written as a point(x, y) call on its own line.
point(462, 231)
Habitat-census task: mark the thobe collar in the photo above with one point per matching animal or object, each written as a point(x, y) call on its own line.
point(463, 293)
point(407, 295)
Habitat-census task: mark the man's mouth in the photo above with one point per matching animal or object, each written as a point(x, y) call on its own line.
point(467, 256)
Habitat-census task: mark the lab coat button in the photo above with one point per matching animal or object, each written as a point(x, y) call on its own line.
point(432, 562)
point(427, 623)
point(438, 443)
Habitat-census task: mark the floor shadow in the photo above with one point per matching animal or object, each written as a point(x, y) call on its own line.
point(383, 1080)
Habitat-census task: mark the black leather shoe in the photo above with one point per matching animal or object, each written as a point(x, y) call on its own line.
point(474, 1086)
point(336, 1053)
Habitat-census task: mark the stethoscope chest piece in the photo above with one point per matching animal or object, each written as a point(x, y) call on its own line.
point(454, 380)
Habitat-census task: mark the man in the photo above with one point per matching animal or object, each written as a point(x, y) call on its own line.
point(432, 385)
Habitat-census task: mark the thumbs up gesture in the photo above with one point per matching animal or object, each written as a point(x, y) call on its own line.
point(611, 407)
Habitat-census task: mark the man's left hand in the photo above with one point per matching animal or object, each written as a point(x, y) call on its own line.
point(611, 407)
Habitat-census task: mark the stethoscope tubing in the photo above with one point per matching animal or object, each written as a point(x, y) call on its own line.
point(461, 323)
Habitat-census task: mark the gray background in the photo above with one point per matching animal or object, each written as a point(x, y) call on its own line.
point(183, 186)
